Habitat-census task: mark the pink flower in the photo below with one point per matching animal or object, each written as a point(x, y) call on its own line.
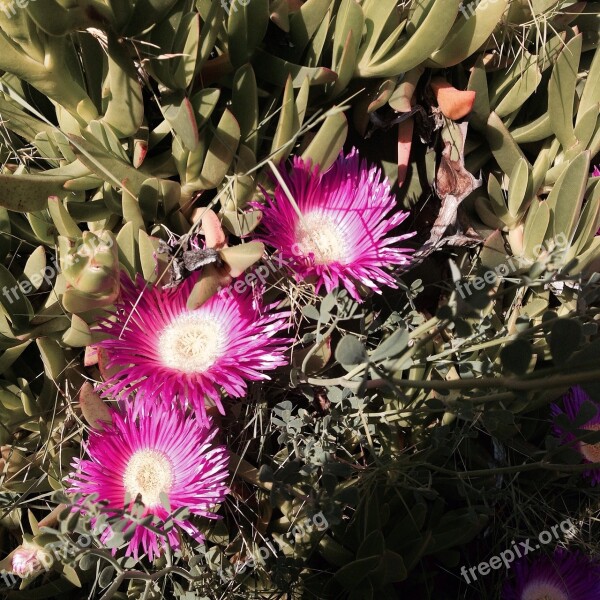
point(337, 232)
point(29, 559)
point(190, 355)
point(573, 401)
point(153, 452)
point(565, 575)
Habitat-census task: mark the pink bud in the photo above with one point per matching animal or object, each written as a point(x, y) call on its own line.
point(29, 560)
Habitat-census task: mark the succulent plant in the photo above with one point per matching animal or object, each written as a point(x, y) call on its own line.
point(131, 126)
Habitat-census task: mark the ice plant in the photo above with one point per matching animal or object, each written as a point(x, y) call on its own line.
point(334, 225)
point(162, 450)
point(572, 402)
point(29, 559)
point(563, 576)
point(190, 355)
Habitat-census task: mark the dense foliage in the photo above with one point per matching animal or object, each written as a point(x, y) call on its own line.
point(386, 211)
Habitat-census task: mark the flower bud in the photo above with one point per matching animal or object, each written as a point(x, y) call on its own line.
point(29, 560)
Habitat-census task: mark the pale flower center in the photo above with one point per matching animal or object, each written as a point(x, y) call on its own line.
point(543, 591)
point(591, 451)
point(320, 235)
point(191, 343)
point(148, 473)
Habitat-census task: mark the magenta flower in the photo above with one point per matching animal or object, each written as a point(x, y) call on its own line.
point(154, 452)
point(563, 576)
point(573, 401)
point(339, 237)
point(190, 355)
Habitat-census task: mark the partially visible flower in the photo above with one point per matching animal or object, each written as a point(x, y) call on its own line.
point(159, 451)
point(572, 402)
point(190, 354)
point(339, 237)
point(29, 559)
point(563, 576)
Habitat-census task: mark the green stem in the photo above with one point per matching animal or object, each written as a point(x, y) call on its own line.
point(541, 381)
point(514, 469)
point(318, 345)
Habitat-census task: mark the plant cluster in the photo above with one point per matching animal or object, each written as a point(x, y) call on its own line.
point(298, 298)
